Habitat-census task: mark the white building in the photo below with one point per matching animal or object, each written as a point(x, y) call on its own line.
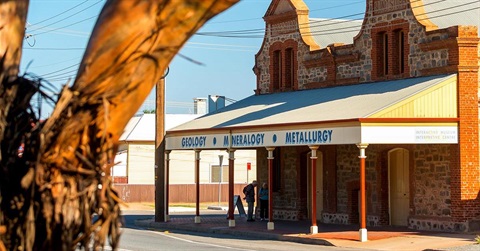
point(135, 160)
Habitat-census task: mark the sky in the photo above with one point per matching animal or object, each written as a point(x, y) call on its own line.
point(58, 31)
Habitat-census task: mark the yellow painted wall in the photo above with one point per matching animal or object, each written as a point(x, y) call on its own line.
point(439, 101)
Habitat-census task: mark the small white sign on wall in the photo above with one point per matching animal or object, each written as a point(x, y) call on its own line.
point(410, 134)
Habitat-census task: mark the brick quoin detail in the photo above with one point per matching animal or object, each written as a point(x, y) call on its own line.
point(465, 193)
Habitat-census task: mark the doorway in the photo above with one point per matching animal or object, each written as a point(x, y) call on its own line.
point(319, 189)
point(399, 186)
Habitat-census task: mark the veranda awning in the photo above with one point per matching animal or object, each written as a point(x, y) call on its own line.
point(416, 110)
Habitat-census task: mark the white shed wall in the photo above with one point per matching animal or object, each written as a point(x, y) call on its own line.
point(141, 164)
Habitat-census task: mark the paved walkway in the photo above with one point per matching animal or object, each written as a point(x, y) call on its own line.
point(385, 238)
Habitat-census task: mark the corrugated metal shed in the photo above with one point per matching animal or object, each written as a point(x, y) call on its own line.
point(448, 13)
point(329, 31)
point(443, 13)
point(130, 126)
point(142, 128)
point(317, 105)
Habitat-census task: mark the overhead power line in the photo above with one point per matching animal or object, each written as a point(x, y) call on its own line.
point(342, 19)
point(258, 33)
point(62, 79)
point(58, 21)
point(53, 49)
point(49, 75)
point(65, 11)
point(55, 29)
point(56, 63)
point(349, 28)
point(326, 8)
point(240, 33)
point(338, 6)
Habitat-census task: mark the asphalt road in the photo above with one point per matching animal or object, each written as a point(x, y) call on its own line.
point(144, 240)
point(137, 239)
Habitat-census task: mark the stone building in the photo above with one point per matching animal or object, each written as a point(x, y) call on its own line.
point(372, 122)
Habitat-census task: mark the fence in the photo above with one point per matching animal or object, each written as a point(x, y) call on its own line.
point(179, 193)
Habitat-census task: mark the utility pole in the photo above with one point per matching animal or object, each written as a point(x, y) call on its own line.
point(161, 199)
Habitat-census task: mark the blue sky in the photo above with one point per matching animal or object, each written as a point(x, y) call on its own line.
point(58, 32)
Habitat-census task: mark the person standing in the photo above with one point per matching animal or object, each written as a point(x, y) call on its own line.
point(249, 192)
point(263, 195)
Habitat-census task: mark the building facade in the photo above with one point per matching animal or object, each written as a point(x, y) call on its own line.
point(397, 40)
point(373, 122)
point(134, 172)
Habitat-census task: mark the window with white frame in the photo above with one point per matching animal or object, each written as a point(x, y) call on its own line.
point(215, 174)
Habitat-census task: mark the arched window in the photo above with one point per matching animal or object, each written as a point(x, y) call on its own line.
point(382, 54)
point(277, 69)
point(390, 51)
point(283, 64)
point(399, 53)
point(289, 68)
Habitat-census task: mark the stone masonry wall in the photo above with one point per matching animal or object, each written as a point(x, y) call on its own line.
point(262, 165)
point(432, 202)
point(429, 186)
point(348, 184)
point(286, 202)
point(419, 60)
point(361, 65)
point(288, 197)
point(432, 180)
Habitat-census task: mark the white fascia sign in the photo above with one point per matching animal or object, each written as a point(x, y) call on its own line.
point(410, 134)
point(207, 141)
point(294, 137)
point(321, 136)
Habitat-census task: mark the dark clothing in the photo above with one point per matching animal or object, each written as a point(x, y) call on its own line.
point(263, 209)
point(250, 193)
point(263, 195)
point(250, 198)
point(250, 211)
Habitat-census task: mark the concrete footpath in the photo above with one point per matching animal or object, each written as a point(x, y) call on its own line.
point(379, 238)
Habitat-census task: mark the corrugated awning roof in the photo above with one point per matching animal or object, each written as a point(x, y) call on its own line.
point(313, 106)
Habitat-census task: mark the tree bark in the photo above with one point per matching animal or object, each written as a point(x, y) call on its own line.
point(13, 16)
point(12, 22)
point(67, 172)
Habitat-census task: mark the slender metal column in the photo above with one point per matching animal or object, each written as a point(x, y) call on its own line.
point(363, 208)
point(197, 185)
point(231, 181)
point(270, 224)
point(313, 159)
